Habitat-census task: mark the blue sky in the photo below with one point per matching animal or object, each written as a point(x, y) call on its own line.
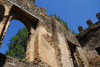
point(74, 12)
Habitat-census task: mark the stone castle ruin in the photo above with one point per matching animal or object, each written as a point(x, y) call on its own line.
point(49, 43)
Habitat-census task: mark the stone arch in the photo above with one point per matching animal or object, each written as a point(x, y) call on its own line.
point(31, 26)
point(28, 23)
point(10, 14)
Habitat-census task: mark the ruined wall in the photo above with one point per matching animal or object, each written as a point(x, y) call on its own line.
point(90, 41)
point(49, 42)
point(64, 40)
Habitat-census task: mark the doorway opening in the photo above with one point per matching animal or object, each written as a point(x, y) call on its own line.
point(73, 53)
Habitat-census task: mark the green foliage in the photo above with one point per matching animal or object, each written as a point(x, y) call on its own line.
point(17, 44)
point(65, 24)
point(60, 20)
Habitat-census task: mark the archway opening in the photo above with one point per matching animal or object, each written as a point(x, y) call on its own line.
point(13, 34)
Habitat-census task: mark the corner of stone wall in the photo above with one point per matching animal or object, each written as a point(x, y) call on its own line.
point(56, 42)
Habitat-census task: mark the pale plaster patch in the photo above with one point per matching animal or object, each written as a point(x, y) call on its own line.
point(65, 59)
point(46, 52)
point(6, 10)
point(30, 49)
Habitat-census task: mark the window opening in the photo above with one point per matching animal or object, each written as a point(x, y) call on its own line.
point(12, 30)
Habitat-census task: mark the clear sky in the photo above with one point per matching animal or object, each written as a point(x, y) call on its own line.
point(74, 12)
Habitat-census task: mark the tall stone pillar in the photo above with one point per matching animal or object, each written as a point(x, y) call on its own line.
point(30, 46)
point(4, 24)
point(4, 20)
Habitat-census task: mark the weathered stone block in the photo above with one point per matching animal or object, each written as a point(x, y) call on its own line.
point(80, 28)
point(98, 16)
point(89, 22)
point(43, 9)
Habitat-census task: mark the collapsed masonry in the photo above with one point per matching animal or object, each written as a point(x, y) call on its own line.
point(49, 43)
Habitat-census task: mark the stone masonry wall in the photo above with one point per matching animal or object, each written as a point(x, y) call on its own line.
point(48, 44)
point(90, 40)
point(31, 8)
